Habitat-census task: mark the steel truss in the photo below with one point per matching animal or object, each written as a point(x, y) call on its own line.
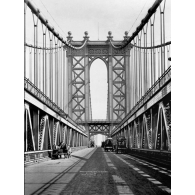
point(78, 85)
point(42, 131)
point(152, 129)
point(119, 88)
point(79, 63)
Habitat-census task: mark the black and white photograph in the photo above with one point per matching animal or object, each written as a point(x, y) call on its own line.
point(95, 105)
point(97, 97)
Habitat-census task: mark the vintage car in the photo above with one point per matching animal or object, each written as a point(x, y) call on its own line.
point(121, 145)
point(59, 151)
point(108, 145)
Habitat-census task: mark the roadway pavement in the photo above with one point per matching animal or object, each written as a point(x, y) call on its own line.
point(92, 171)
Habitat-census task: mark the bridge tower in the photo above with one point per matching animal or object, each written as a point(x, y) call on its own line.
point(79, 62)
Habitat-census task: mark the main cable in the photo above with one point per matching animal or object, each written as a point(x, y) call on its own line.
point(138, 16)
point(53, 18)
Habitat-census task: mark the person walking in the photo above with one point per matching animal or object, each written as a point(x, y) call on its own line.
point(69, 151)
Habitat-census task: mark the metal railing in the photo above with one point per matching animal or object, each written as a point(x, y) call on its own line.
point(31, 88)
point(166, 76)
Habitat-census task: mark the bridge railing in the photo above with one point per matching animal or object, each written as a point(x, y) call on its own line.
point(32, 89)
point(166, 77)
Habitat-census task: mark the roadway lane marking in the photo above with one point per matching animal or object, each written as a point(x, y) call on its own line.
point(110, 164)
point(148, 177)
point(147, 163)
point(166, 172)
point(121, 185)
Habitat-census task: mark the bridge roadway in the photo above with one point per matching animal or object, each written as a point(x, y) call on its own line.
point(93, 171)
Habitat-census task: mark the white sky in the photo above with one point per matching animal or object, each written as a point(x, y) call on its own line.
point(79, 16)
point(98, 88)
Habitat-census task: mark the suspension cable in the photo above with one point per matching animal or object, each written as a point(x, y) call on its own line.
point(138, 16)
point(52, 17)
point(51, 29)
point(154, 47)
point(144, 21)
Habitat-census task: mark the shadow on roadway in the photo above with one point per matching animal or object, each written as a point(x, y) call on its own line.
point(79, 157)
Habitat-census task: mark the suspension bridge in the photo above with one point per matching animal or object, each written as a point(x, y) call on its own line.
point(57, 97)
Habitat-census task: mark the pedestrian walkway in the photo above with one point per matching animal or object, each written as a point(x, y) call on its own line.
point(39, 177)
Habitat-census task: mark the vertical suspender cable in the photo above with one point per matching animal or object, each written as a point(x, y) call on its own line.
point(30, 64)
point(130, 79)
point(63, 89)
point(51, 66)
point(135, 74)
point(162, 29)
point(148, 71)
point(39, 69)
point(140, 67)
point(56, 72)
point(137, 71)
point(144, 63)
point(151, 65)
point(159, 67)
point(134, 80)
point(24, 39)
point(152, 50)
point(59, 75)
point(163, 33)
point(146, 59)
point(154, 60)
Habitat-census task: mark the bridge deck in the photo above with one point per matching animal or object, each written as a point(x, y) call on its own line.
point(93, 171)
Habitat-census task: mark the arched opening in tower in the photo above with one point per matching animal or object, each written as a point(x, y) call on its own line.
point(98, 90)
point(98, 139)
point(99, 95)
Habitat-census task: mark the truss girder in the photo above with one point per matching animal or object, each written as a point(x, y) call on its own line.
point(164, 119)
point(99, 129)
point(43, 130)
point(30, 144)
point(79, 89)
point(147, 120)
point(119, 92)
point(78, 85)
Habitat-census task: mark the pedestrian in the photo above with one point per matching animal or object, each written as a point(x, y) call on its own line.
point(69, 151)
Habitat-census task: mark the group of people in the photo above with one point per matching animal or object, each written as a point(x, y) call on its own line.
point(64, 147)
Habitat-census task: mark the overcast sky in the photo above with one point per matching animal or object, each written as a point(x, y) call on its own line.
point(79, 16)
